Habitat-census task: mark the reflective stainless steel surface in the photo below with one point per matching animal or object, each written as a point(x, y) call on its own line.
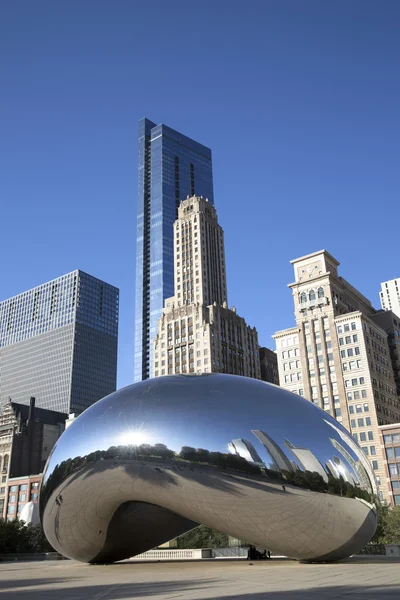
point(153, 460)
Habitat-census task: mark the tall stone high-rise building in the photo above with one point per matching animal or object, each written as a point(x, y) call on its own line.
point(58, 342)
point(338, 355)
point(171, 166)
point(197, 332)
point(269, 366)
point(390, 295)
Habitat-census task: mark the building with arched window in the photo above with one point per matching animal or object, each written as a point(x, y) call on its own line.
point(340, 356)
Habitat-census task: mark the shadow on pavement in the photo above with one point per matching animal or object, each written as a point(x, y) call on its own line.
point(197, 590)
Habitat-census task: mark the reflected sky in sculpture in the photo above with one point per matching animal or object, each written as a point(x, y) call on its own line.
point(241, 424)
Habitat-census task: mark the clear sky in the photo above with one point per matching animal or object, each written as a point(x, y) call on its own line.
point(298, 99)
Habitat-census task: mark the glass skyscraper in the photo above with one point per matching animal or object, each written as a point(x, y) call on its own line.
point(171, 167)
point(58, 343)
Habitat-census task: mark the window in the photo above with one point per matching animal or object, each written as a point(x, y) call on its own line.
point(348, 339)
point(320, 292)
point(375, 465)
point(355, 338)
point(363, 436)
point(392, 470)
point(351, 410)
point(358, 408)
point(366, 407)
point(353, 423)
point(368, 421)
point(372, 450)
point(303, 298)
point(11, 509)
point(311, 295)
point(360, 422)
point(370, 435)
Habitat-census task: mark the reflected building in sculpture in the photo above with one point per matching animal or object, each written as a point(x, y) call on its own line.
point(171, 166)
point(246, 450)
point(337, 468)
point(279, 460)
point(164, 445)
point(197, 332)
point(307, 460)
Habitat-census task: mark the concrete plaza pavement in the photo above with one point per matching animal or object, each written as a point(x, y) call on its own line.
point(359, 578)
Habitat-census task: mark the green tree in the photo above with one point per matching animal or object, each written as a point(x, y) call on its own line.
point(379, 536)
point(391, 525)
point(203, 537)
point(18, 538)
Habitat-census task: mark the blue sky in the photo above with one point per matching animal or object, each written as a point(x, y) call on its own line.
point(299, 101)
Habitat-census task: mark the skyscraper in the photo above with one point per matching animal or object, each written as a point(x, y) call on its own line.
point(58, 342)
point(197, 332)
point(390, 296)
point(171, 167)
point(338, 354)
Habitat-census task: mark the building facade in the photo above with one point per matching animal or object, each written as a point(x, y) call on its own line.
point(27, 436)
point(197, 332)
point(171, 166)
point(391, 324)
point(269, 365)
point(20, 491)
point(58, 342)
point(390, 295)
point(338, 356)
point(390, 446)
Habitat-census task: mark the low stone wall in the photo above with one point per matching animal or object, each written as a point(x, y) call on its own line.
point(175, 554)
point(32, 556)
point(392, 549)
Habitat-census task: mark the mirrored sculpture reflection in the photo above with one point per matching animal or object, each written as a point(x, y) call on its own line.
point(153, 460)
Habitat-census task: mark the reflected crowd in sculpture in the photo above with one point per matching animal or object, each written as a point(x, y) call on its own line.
point(155, 459)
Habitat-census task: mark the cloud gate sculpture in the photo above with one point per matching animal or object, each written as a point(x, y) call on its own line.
point(155, 459)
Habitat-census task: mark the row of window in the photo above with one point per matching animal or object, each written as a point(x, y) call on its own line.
point(362, 437)
point(348, 340)
point(294, 377)
point(358, 408)
point(349, 352)
point(394, 469)
point(347, 327)
point(393, 453)
point(361, 422)
point(311, 295)
point(354, 381)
